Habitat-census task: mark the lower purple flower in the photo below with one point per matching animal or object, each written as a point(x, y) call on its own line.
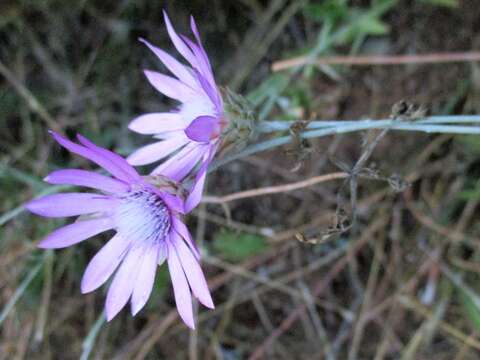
point(148, 225)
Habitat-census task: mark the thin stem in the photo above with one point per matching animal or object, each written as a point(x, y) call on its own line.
point(279, 125)
point(427, 128)
point(274, 189)
point(353, 126)
point(358, 166)
point(368, 60)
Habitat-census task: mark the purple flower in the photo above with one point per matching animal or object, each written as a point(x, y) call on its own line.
point(148, 231)
point(190, 134)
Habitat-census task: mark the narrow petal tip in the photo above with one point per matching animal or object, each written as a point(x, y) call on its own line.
point(33, 207)
point(149, 74)
point(131, 159)
point(132, 126)
point(55, 135)
point(111, 310)
point(165, 16)
point(190, 322)
point(136, 307)
point(146, 43)
point(208, 302)
point(85, 286)
point(84, 289)
point(44, 245)
point(193, 26)
point(109, 315)
point(191, 326)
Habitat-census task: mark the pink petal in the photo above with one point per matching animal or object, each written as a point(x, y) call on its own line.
point(124, 281)
point(179, 134)
point(113, 157)
point(76, 232)
point(180, 164)
point(104, 162)
point(145, 278)
point(179, 44)
point(173, 202)
point(155, 123)
point(203, 129)
point(182, 230)
point(195, 194)
point(202, 60)
point(183, 298)
point(211, 90)
point(104, 263)
point(207, 80)
point(162, 253)
point(193, 26)
point(177, 69)
point(194, 273)
point(70, 204)
point(195, 31)
point(156, 151)
point(88, 179)
point(170, 86)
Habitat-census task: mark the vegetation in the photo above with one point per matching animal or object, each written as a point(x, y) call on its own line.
point(377, 259)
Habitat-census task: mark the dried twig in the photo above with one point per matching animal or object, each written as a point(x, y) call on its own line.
point(320, 287)
point(378, 60)
point(452, 234)
point(274, 189)
point(358, 167)
point(412, 304)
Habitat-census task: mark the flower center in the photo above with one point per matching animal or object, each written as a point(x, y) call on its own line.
point(142, 216)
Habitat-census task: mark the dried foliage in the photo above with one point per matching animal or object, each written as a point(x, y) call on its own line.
point(379, 262)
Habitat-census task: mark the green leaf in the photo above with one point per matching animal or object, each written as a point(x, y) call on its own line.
point(238, 246)
point(469, 194)
point(373, 26)
point(470, 143)
point(471, 191)
point(363, 23)
point(19, 292)
point(271, 87)
point(267, 93)
point(471, 300)
point(446, 3)
point(329, 10)
point(471, 310)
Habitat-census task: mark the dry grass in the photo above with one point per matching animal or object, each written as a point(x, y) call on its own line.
point(401, 283)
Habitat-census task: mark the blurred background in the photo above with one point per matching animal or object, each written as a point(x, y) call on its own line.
point(290, 278)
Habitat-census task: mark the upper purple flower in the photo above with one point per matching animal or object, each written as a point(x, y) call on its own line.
point(190, 134)
point(148, 231)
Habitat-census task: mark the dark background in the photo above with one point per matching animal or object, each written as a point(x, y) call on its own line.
point(401, 284)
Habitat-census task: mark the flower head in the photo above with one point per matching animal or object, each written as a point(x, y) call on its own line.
point(149, 230)
point(190, 134)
